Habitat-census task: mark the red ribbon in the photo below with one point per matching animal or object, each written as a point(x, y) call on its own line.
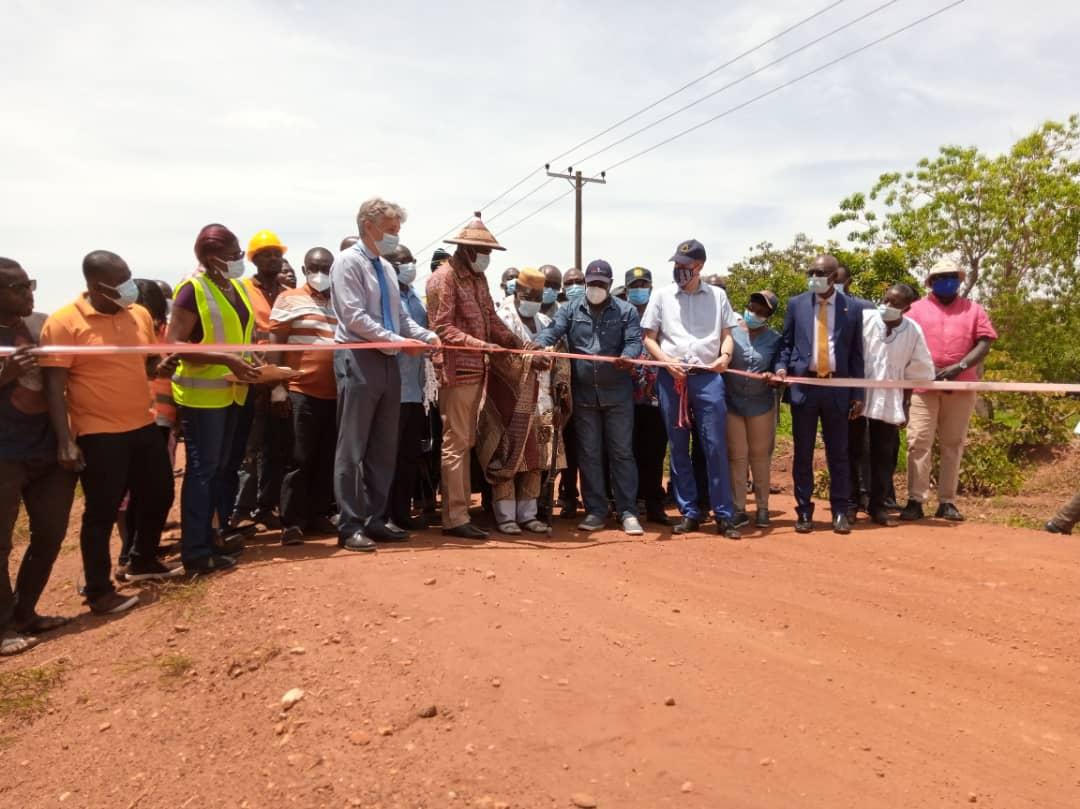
point(685, 421)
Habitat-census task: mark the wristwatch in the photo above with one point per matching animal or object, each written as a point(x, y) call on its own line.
point(963, 365)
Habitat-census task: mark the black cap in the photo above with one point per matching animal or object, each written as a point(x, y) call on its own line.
point(638, 274)
point(688, 251)
point(767, 297)
point(598, 270)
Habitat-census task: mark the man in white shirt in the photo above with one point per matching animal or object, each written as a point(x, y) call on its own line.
point(893, 348)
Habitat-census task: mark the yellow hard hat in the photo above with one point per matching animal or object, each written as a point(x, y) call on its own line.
point(262, 240)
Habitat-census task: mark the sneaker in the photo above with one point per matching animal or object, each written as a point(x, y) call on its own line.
point(762, 518)
point(112, 603)
point(632, 526)
point(726, 528)
point(150, 570)
point(947, 511)
point(912, 511)
point(210, 564)
point(591, 523)
point(1053, 528)
point(740, 519)
point(292, 535)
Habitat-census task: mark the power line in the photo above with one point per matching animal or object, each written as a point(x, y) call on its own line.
point(543, 207)
point(741, 79)
point(495, 216)
point(628, 118)
point(787, 84)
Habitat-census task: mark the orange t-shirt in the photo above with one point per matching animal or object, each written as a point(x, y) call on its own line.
point(262, 304)
point(302, 318)
point(106, 393)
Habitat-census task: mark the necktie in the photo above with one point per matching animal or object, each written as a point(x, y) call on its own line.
point(822, 338)
point(384, 296)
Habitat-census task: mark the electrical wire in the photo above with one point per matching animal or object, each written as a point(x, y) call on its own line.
point(543, 207)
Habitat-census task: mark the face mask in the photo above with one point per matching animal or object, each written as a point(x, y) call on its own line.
point(387, 244)
point(406, 273)
point(511, 285)
point(817, 284)
point(752, 321)
point(684, 275)
point(550, 296)
point(481, 262)
point(235, 269)
point(319, 281)
point(890, 314)
point(575, 293)
point(945, 287)
point(639, 296)
point(528, 308)
point(127, 293)
point(596, 295)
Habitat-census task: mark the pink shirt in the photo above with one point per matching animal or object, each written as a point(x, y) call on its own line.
point(951, 331)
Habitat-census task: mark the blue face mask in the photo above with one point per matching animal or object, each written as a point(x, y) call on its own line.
point(550, 296)
point(639, 296)
point(575, 293)
point(752, 321)
point(945, 287)
point(511, 285)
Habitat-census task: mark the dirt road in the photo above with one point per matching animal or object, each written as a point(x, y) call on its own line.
point(916, 667)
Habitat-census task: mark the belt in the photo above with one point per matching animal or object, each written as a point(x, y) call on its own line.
point(690, 371)
point(816, 375)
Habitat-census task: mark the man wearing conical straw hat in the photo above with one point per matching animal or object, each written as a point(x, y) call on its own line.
point(464, 315)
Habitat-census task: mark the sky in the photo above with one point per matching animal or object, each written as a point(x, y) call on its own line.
point(128, 126)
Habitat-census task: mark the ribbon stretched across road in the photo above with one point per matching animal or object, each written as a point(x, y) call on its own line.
point(830, 382)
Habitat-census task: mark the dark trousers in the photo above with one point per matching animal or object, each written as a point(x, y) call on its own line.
point(568, 480)
point(859, 460)
point(130, 514)
point(369, 408)
point(831, 409)
point(603, 430)
point(650, 446)
point(412, 434)
point(307, 490)
point(209, 488)
point(269, 447)
point(708, 407)
point(884, 444)
point(46, 489)
point(116, 463)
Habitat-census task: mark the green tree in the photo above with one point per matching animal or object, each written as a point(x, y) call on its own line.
point(783, 270)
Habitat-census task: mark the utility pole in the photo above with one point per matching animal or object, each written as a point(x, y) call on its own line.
point(577, 181)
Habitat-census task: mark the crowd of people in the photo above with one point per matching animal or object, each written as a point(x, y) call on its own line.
point(364, 443)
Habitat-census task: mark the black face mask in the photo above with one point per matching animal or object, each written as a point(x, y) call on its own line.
point(684, 275)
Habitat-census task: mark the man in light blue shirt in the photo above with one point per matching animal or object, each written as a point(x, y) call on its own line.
point(366, 298)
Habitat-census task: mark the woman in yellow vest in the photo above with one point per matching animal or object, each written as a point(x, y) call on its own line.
point(211, 307)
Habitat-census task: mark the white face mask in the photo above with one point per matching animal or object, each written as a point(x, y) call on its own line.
point(817, 284)
point(890, 314)
point(127, 293)
point(235, 269)
point(406, 273)
point(481, 262)
point(596, 295)
point(387, 244)
point(319, 281)
point(528, 308)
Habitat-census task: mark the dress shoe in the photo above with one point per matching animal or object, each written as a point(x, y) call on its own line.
point(891, 505)
point(912, 511)
point(883, 517)
point(687, 525)
point(569, 510)
point(292, 535)
point(947, 511)
point(466, 531)
point(1053, 528)
point(841, 524)
point(726, 528)
point(382, 531)
point(803, 524)
point(852, 515)
point(413, 523)
point(357, 542)
point(740, 519)
point(762, 519)
point(654, 512)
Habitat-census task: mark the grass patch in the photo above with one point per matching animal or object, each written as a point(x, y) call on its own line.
point(173, 666)
point(1022, 521)
point(24, 694)
point(184, 596)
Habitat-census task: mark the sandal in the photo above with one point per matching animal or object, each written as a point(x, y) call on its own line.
point(12, 644)
point(41, 623)
point(510, 528)
point(537, 527)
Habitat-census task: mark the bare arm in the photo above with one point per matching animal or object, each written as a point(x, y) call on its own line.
point(181, 325)
point(68, 454)
point(658, 354)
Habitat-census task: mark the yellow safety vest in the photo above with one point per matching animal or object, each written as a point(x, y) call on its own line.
point(196, 384)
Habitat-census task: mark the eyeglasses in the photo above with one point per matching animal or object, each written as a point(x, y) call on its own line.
point(818, 273)
point(21, 286)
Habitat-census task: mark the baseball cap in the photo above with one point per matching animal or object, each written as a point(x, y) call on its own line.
point(767, 297)
point(688, 251)
point(638, 274)
point(598, 270)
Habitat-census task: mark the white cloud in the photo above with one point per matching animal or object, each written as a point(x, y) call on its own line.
point(129, 126)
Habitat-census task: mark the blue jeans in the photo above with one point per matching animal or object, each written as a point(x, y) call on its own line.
point(709, 411)
point(610, 428)
point(209, 480)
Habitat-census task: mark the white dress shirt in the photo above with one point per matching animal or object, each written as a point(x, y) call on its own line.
point(900, 354)
point(689, 326)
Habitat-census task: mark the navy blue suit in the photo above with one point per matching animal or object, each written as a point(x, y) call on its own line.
point(811, 403)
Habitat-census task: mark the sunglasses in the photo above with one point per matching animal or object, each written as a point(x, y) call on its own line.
point(21, 286)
